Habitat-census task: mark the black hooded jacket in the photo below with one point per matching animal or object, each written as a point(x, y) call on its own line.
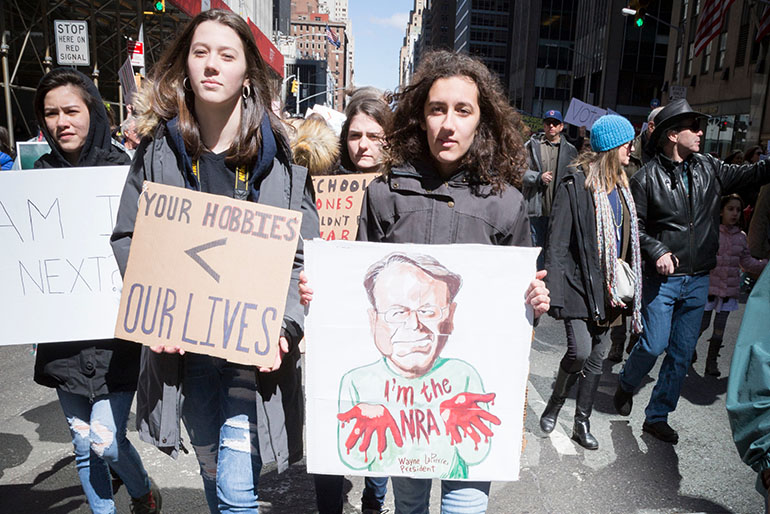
point(88, 368)
point(98, 149)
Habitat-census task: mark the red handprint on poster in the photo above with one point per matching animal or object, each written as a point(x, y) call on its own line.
point(370, 419)
point(463, 412)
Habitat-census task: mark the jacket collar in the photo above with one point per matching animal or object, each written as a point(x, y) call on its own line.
point(267, 152)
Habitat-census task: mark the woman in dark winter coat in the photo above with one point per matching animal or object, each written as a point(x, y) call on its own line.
point(368, 119)
point(455, 155)
point(593, 230)
point(95, 380)
point(210, 127)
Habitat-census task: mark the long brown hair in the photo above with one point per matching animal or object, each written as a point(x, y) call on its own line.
point(169, 97)
point(602, 169)
point(371, 104)
point(496, 155)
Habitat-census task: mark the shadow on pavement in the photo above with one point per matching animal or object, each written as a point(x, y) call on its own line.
point(637, 481)
point(16, 449)
point(51, 425)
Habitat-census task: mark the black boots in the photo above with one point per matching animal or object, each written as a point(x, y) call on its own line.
point(587, 386)
point(711, 359)
point(561, 387)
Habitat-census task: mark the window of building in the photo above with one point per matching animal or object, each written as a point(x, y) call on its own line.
point(721, 52)
point(685, 6)
point(688, 61)
point(696, 8)
point(705, 61)
point(677, 64)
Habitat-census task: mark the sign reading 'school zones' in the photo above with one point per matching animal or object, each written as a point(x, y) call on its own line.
point(58, 278)
point(338, 200)
point(209, 274)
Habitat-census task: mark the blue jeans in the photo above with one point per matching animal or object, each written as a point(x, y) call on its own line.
point(671, 315)
point(220, 413)
point(412, 496)
point(98, 432)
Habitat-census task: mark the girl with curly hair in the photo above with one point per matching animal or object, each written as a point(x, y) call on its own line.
point(455, 157)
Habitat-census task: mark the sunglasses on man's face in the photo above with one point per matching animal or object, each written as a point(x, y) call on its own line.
point(694, 126)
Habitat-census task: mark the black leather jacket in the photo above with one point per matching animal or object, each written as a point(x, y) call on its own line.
point(687, 226)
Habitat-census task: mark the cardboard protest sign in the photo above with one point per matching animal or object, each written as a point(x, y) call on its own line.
point(338, 200)
point(208, 273)
point(59, 278)
point(417, 359)
point(582, 114)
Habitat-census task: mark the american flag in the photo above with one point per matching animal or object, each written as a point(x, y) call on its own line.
point(764, 25)
point(711, 20)
point(332, 37)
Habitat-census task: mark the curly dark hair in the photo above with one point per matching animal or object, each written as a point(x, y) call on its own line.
point(496, 155)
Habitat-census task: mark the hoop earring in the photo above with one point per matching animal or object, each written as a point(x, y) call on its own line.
point(246, 92)
point(186, 84)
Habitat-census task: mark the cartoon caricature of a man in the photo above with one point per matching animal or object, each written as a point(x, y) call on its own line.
point(424, 409)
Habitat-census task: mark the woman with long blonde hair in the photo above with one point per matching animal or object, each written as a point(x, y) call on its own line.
point(594, 267)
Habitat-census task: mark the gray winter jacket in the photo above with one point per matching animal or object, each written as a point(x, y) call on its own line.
point(416, 205)
point(159, 392)
point(532, 187)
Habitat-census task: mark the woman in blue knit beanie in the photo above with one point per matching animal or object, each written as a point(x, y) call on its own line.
point(594, 267)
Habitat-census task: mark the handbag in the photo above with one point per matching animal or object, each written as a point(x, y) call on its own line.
point(626, 279)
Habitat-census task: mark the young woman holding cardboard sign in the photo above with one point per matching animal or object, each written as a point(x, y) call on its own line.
point(455, 155)
point(207, 123)
point(94, 391)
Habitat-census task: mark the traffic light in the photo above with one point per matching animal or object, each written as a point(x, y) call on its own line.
point(159, 5)
point(639, 18)
point(294, 87)
point(640, 6)
point(723, 125)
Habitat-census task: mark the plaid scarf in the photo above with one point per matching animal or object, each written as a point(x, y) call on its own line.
point(606, 241)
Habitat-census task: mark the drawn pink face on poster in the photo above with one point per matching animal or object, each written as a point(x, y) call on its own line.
point(412, 318)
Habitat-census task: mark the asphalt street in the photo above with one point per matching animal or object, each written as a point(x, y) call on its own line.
point(630, 472)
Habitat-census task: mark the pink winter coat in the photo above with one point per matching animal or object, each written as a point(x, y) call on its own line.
point(733, 255)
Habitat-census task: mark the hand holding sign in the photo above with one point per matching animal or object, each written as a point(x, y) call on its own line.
point(370, 418)
point(463, 412)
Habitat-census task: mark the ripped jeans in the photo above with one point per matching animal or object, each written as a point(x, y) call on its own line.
point(98, 432)
point(220, 414)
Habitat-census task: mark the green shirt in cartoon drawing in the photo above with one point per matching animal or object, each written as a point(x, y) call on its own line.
point(412, 412)
point(428, 448)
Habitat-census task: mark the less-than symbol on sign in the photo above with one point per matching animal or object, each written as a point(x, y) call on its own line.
point(196, 250)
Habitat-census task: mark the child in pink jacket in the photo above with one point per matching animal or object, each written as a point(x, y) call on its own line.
point(725, 279)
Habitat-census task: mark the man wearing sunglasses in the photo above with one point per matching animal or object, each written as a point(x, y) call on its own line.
point(677, 196)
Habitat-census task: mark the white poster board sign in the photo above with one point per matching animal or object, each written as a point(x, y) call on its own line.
point(404, 374)
point(582, 114)
point(60, 280)
point(72, 42)
point(677, 93)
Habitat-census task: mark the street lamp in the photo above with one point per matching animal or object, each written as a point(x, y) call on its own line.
point(679, 29)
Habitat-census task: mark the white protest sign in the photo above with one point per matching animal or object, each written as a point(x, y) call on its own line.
point(417, 359)
point(72, 42)
point(677, 92)
point(582, 114)
point(60, 280)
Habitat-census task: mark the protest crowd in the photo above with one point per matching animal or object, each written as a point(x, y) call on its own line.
point(644, 246)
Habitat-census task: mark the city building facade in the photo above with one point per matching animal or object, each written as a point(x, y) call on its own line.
point(728, 80)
